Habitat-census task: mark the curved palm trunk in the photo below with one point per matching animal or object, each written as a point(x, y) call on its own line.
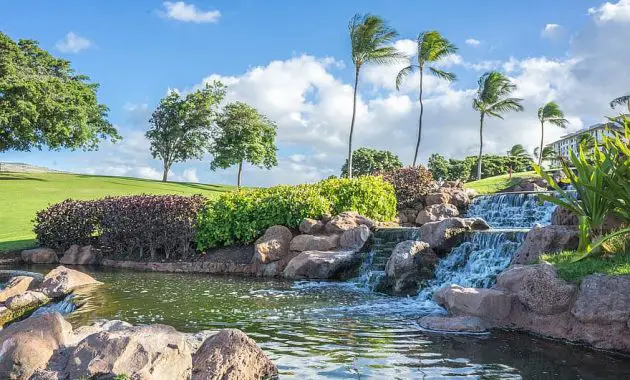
point(415, 156)
point(542, 137)
point(480, 146)
point(354, 113)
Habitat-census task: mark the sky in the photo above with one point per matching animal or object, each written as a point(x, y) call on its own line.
point(291, 60)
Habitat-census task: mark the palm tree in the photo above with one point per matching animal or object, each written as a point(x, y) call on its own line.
point(371, 40)
point(431, 47)
point(518, 151)
point(493, 99)
point(548, 154)
point(622, 100)
point(552, 114)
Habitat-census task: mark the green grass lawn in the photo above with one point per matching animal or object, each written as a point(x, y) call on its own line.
point(613, 264)
point(499, 183)
point(23, 194)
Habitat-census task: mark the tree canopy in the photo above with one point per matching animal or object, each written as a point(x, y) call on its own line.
point(367, 161)
point(45, 103)
point(181, 126)
point(243, 135)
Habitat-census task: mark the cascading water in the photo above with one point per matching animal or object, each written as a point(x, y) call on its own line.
point(511, 210)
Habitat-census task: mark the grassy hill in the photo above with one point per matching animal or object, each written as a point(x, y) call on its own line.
point(499, 183)
point(23, 194)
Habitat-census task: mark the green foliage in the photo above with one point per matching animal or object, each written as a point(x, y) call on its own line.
point(411, 184)
point(552, 114)
point(462, 170)
point(439, 166)
point(367, 161)
point(242, 216)
point(243, 135)
point(45, 103)
point(181, 125)
point(500, 183)
point(571, 268)
point(518, 151)
point(548, 154)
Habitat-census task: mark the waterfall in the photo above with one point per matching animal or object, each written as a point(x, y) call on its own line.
point(65, 306)
point(511, 210)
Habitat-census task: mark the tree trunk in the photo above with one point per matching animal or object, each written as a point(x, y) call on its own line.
point(165, 174)
point(542, 137)
point(480, 146)
point(415, 156)
point(354, 113)
point(240, 171)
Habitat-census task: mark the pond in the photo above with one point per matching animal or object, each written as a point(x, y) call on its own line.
point(334, 330)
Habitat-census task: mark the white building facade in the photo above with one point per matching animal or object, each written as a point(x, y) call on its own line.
point(571, 142)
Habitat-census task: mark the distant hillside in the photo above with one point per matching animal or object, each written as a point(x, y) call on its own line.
point(18, 167)
point(23, 194)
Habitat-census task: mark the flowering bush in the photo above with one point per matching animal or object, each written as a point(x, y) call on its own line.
point(411, 184)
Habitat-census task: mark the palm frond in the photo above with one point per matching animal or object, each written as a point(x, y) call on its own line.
point(620, 101)
point(403, 73)
point(506, 105)
point(371, 39)
point(552, 114)
point(443, 74)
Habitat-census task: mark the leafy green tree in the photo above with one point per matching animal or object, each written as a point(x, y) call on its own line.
point(552, 114)
point(548, 154)
point(518, 151)
point(181, 126)
point(368, 161)
point(431, 47)
point(492, 100)
point(439, 166)
point(243, 135)
point(45, 103)
point(621, 101)
point(370, 37)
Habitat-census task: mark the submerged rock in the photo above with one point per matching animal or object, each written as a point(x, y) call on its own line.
point(323, 265)
point(548, 239)
point(461, 324)
point(409, 266)
point(273, 245)
point(40, 256)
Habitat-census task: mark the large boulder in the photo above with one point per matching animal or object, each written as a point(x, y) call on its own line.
point(27, 346)
point(564, 217)
point(489, 304)
point(76, 255)
point(337, 265)
point(61, 281)
point(140, 352)
point(538, 288)
point(40, 256)
point(436, 213)
point(442, 236)
point(459, 324)
point(408, 267)
point(302, 243)
point(407, 216)
point(28, 300)
point(311, 226)
point(347, 220)
point(273, 245)
point(603, 300)
point(6, 275)
point(458, 197)
point(548, 239)
point(354, 238)
point(231, 355)
point(15, 286)
point(441, 197)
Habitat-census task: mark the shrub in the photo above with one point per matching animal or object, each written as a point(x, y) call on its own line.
point(66, 223)
point(411, 184)
point(244, 215)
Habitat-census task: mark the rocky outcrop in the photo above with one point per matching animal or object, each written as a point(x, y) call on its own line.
point(336, 265)
point(302, 243)
point(311, 226)
point(462, 324)
point(407, 216)
point(603, 299)
point(548, 239)
point(564, 217)
point(354, 238)
point(346, 221)
point(408, 267)
point(273, 245)
point(478, 302)
point(231, 354)
point(436, 213)
point(76, 255)
point(26, 301)
point(61, 281)
point(15, 286)
point(40, 256)
point(437, 198)
point(442, 236)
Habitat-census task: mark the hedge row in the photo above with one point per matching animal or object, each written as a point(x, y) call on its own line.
point(142, 224)
point(411, 184)
point(243, 216)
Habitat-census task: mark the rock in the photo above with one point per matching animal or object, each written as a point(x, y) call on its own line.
point(323, 265)
point(28, 345)
point(355, 238)
point(273, 245)
point(311, 226)
point(347, 220)
point(489, 304)
point(140, 352)
point(302, 243)
point(408, 267)
point(195, 340)
point(436, 213)
point(76, 255)
point(603, 300)
point(564, 217)
point(27, 300)
point(15, 286)
point(538, 288)
point(40, 256)
point(442, 236)
point(6, 275)
point(461, 324)
point(548, 239)
point(458, 197)
point(437, 198)
point(231, 355)
point(471, 193)
point(407, 215)
point(99, 326)
point(61, 281)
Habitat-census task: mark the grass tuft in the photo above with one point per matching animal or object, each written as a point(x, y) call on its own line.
point(499, 183)
point(612, 264)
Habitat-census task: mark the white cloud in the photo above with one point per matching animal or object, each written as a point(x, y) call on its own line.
point(189, 13)
point(552, 31)
point(190, 175)
point(473, 42)
point(619, 11)
point(72, 43)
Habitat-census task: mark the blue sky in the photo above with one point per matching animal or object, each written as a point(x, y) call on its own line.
point(291, 60)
